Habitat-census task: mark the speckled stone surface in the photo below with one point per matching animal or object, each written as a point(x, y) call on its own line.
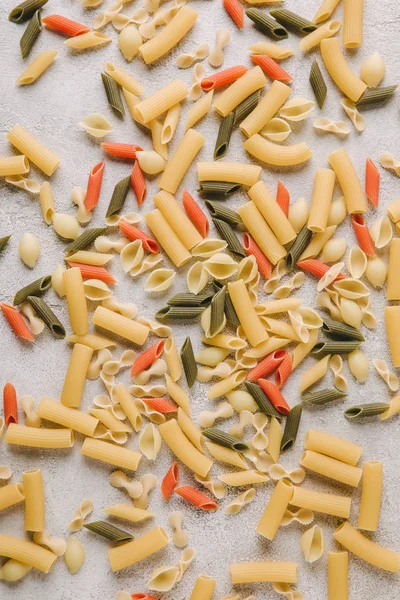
point(51, 109)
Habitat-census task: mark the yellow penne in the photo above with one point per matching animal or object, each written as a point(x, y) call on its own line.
point(37, 67)
point(268, 106)
point(177, 219)
point(180, 162)
point(321, 200)
point(111, 454)
point(183, 449)
point(132, 552)
point(250, 82)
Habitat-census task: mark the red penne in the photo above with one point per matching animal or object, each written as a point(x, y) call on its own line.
point(372, 180)
point(10, 404)
point(133, 233)
point(170, 480)
point(196, 498)
point(274, 396)
point(251, 248)
point(223, 78)
point(94, 186)
point(283, 197)
point(93, 272)
point(160, 405)
point(271, 68)
point(236, 12)
point(283, 371)
point(362, 234)
point(121, 150)
point(317, 267)
point(267, 365)
point(142, 596)
point(195, 214)
point(16, 322)
point(146, 359)
point(138, 183)
point(64, 25)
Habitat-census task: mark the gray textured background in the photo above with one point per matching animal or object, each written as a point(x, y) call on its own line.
point(51, 109)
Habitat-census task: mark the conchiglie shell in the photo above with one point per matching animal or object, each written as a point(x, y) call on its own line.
point(96, 125)
point(57, 280)
point(276, 130)
point(96, 290)
point(311, 318)
point(205, 322)
point(356, 262)
point(381, 232)
point(353, 289)
point(129, 41)
point(297, 109)
point(74, 555)
point(208, 247)
point(333, 250)
point(373, 70)
point(359, 365)
point(197, 278)
point(351, 111)
point(14, 570)
point(163, 579)
point(150, 162)
point(29, 185)
point(351, 312)
point(220, 266)
point(29, 249)
point(248, 270)
point(150, 442)
point(132, 255)
point(298, 214)
point(376, 271)
point(66, 226)
point(312, 544)
point(337, 212)
point(159, 280)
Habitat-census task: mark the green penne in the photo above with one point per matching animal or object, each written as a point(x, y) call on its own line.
point(217, 311)
point(246, 107)
point(293, 21)
point(45, 313)
point(190, 300)
point(366, 410)
point(298, 247)
point(218, 210)
point(30, 34)
point(227, 233)
point(189, 362)
point(179, 312)
point(4, 241)
point(118, 197)
point(335, 347)
point(262, 400)
point(291, 428)
point(224, 136)
point(218, 188)
point(113, 94)
point(224, 439)
point(376, 96)
point(341, 330)
point(25, 10)
point(321, 397)
point(266, 24)
point(36, 288)
point(85, 239)
point(229, 310)
point(110, 532)
point(318, 84)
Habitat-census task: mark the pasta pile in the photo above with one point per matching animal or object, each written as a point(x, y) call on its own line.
point(241, 280)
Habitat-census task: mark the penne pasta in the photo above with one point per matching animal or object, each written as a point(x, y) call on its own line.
point(37, 67)
point(181, 160)
point(272, 213)
point(321, 200)
point(349, 182)
point(242, 88)
point(267, 108)
point(150, 108)
point(167, 238)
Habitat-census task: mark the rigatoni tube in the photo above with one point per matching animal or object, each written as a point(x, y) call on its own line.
point(75, 377)
point(127, 328)
point(349, 181)
point(247, 316)
point(34, 500)
point(321, 200)
point(275, 509)
point(76, 300)
point(272, 213)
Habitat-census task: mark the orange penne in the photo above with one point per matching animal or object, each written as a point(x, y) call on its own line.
point(10, 404)
point(133, 233)
point(170, 480)
point(142, 596)
point(236, 12)
point(94, 186)
point(196, 498)
point(121, 150)
point(362, 234)
point(283, 371)
point(283, 197)
point(317, 267)
point(16, 322)
point(372, 180)
point(64, 25)
point(195, 214)
point(252, 249)
point(161, 405)
point(267, 365)
point(274, 396)
point(146, 359)
point(271, 68)
point(223, 78)
point(93, 272)
point(138, 183)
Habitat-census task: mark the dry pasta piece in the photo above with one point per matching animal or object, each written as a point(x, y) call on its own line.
point(29, 185)
point(372, 180)
point(10, 404)
point(180, 537)
point(130, 41)
point(150, 442)
point(27, 405)
point(252, 249)
point(132, 255)
point(276, 130)
point(195, 214)
point(373, 70)
point(271, 68)
point(274, 154)
point(313, 544)
point(29, 249)
point(330, 276)
point(297, 109)
point(337, 67)
point(133, 233)
point(314, 38)
point(149, 482)
point(222, 39)
point(37, 67)
point(236, 11)
point(163, 579)
point(196, 498)
point(376, 271)
point(334, 250)
point(96, 125)
point(352, 112)
point(159, 280)
point(363, 235)
point(184, 61)
point(294, 283)
point(58, 546)
point(215, 487)
point(274, 396)
point(198, 75)
point(391, 379)
point(150, 162)
point(74, 555)
point(336, 366)
point(278, 472)
point(16, 322)
point(199, 110)
point(64, 25)
point(84, 510)
point(240, 501)
point(89, 40)
point(208, 418)
point(93, 272)
point(327, 125)
point(356, 262)
point(222, 78)
point(121, 150)
point(381, 232)
point(169, 482)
